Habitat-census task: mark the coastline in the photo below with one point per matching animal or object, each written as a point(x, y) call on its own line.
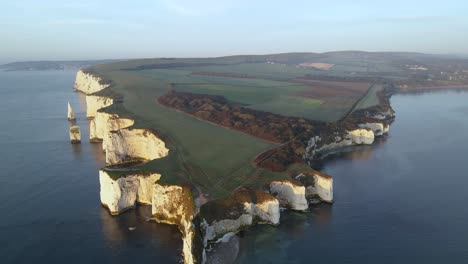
point(320, 154)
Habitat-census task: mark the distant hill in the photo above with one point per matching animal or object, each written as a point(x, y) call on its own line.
point(51, 65)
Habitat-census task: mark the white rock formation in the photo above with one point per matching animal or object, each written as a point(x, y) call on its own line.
point(103, 123)
point(289, 194)
point(317, 185)
point(128, 145)
point(324, 187)
point(173, 204)
point(94, 103)
point(87, 83)
point(124, 192)
point(377, 128)
point(75, 135)
point(243, 212)
point(360, 136)
point(70, 114)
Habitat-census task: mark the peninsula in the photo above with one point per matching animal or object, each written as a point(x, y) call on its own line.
point(215, 145)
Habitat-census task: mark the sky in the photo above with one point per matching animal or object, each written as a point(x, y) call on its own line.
point(94, 29)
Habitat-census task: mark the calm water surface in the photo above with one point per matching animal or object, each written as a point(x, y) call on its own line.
point(49, 189)
point(400, 201)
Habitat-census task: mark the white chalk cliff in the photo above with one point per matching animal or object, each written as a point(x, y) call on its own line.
point(359, 136)
point(70, 114)
point(174, 205)
point(103, 123)
point(241, 212)
point(88, 83)
point(122, 193)
point(323, 188)
point(171, 204)
point(317, 185)
point(289, 194)
point(128, 145)
point(94, 103)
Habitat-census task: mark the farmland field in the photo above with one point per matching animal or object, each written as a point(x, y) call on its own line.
point(216, 157)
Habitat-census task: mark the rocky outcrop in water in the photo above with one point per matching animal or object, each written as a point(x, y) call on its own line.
point(70, 114)
point(75, 135)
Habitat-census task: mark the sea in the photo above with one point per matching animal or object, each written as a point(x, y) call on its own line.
point(402, 200)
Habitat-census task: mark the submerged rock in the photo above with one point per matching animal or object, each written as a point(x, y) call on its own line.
point(75, 135)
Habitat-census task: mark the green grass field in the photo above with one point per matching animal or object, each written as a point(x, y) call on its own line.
point(215, 159)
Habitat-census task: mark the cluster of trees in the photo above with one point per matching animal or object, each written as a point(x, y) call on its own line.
point(218, 110)
point(292, 133)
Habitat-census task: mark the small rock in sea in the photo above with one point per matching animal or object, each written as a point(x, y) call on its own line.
point(131, 228)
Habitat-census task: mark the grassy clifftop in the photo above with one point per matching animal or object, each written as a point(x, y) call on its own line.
point(217, 158)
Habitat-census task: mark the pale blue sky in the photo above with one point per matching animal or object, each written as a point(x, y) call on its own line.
point(93, 29)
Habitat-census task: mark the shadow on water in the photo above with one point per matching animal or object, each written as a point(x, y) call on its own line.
point(77, 151)
point(133, 230)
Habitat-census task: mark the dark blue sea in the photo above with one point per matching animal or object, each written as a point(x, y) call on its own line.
point(402, 200)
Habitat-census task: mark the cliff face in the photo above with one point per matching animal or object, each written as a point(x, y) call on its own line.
point(243, 209)
point(317, 146)
point(128, 145)
point(289, 194)
point(174, 205)
point(317, 185)
point(377, 128)
point(88, 83)
point(170, 204)
point(124, 192)
point(103, 123)
point(360, 127)
point(94, 103)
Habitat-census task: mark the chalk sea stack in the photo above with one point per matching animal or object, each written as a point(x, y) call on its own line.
point(75, 135)
point(71, 114)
